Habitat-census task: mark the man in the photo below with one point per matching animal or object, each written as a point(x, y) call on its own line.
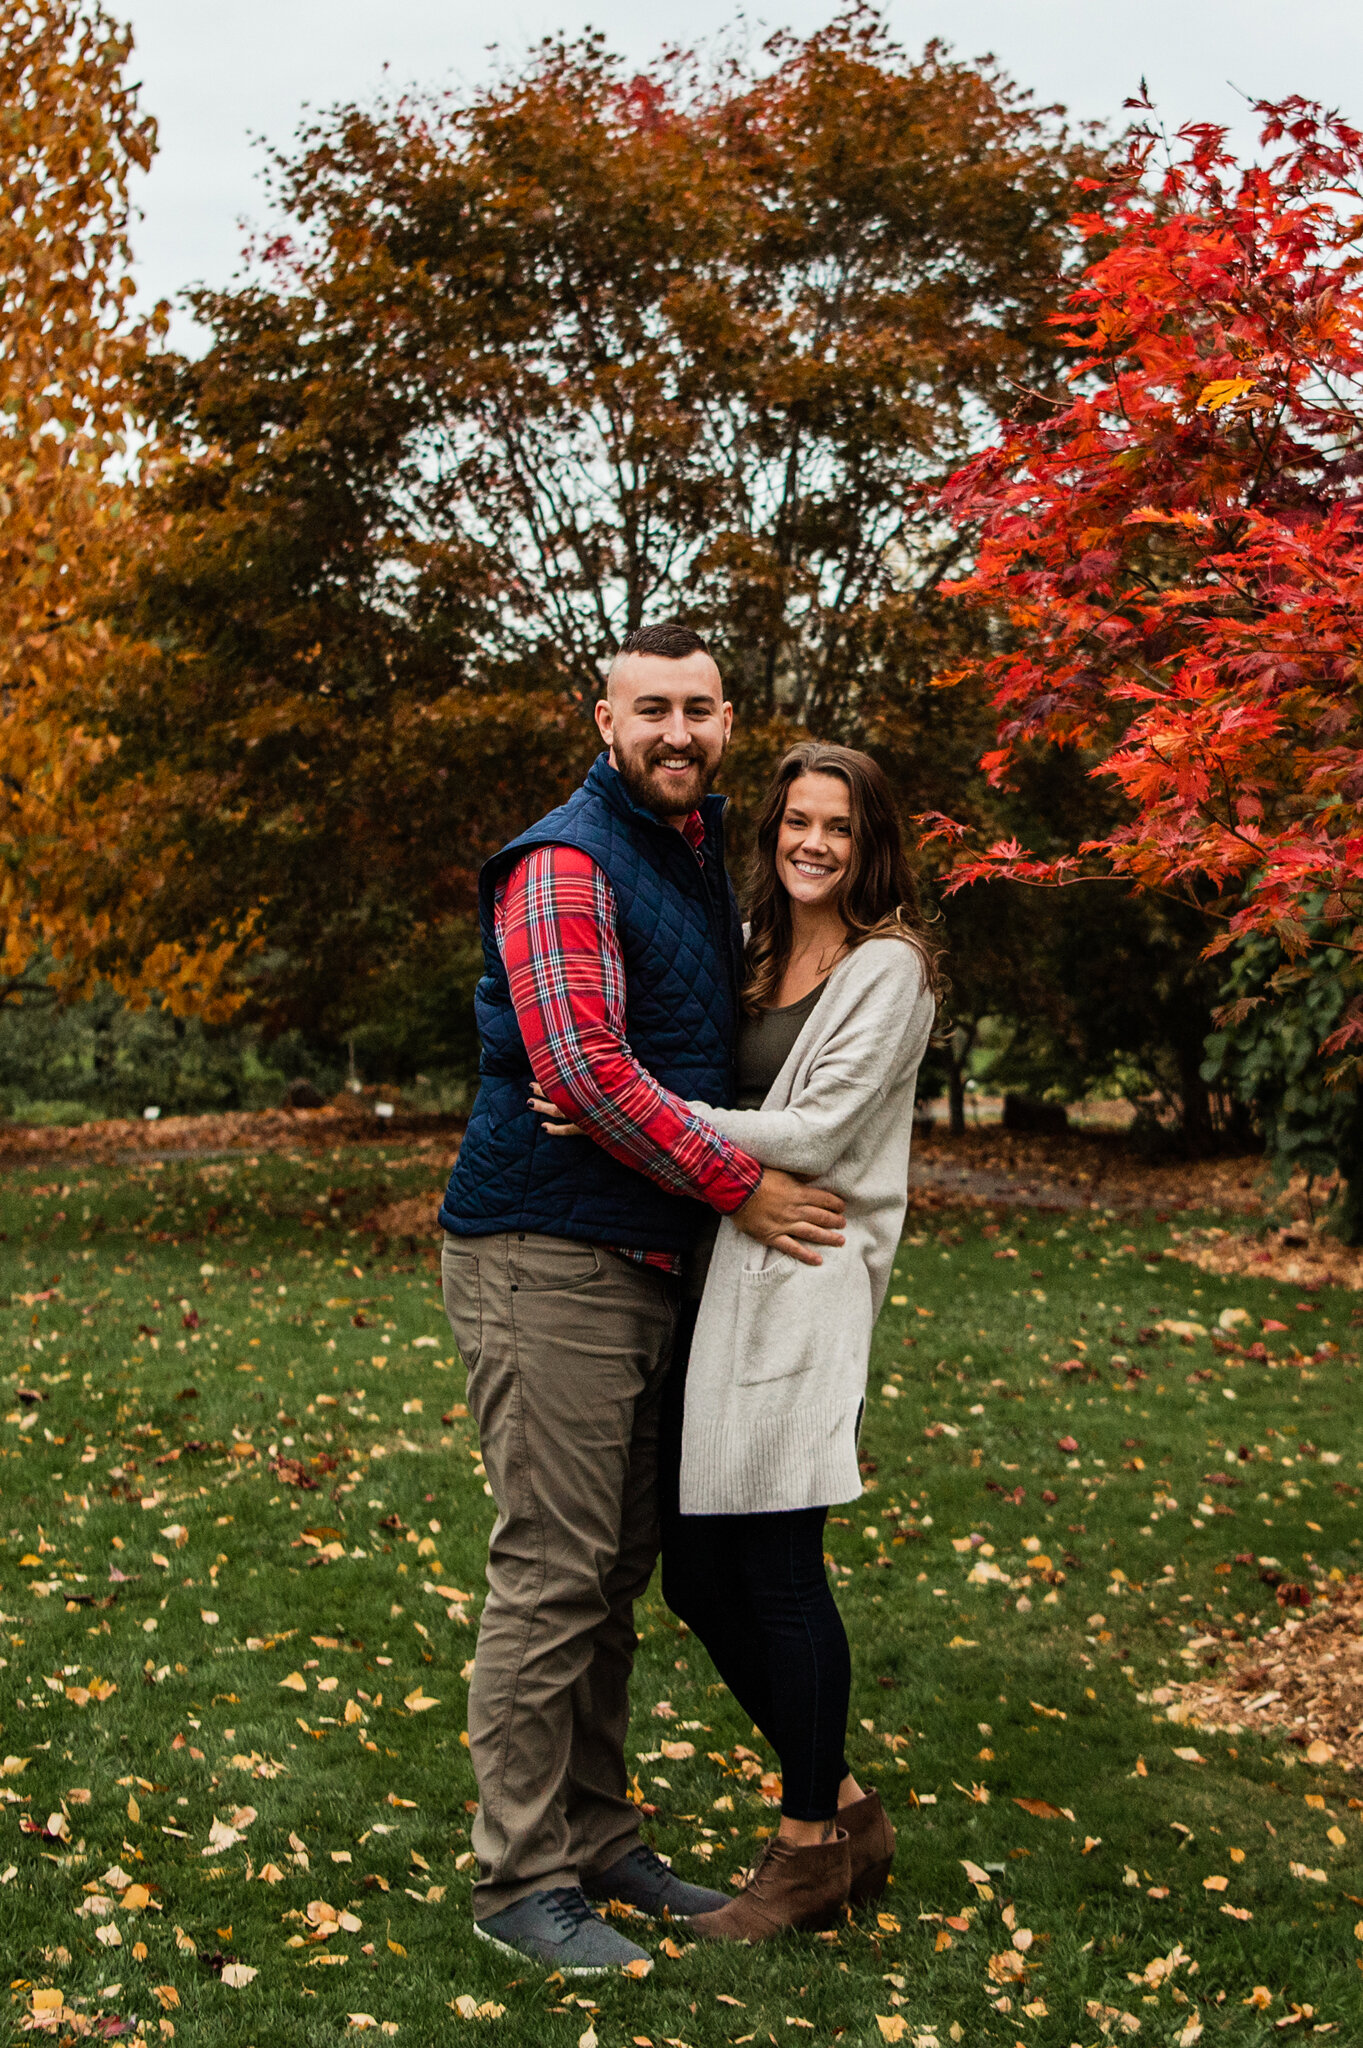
point(613, 953)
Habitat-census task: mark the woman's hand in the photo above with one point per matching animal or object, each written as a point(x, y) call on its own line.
point(553, 1117)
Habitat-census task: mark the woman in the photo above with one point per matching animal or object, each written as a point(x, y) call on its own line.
point(839, 1004)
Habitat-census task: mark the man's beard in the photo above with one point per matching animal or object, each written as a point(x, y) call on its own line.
point(667, 796)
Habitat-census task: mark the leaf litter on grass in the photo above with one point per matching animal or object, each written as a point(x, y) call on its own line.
point(1005, 1418)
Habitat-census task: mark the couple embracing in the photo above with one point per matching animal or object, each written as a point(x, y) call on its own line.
point(668, 1234)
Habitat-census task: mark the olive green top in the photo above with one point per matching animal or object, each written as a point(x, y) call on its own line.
point(765, 1042)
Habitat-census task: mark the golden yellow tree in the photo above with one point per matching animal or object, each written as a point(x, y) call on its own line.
point(71, 134)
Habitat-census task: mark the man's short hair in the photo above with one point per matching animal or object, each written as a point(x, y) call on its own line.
point(670, 638)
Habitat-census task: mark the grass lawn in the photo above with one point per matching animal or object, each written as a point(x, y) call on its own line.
point(237, 1696)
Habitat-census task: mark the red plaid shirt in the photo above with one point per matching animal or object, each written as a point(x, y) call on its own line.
point(556, 931)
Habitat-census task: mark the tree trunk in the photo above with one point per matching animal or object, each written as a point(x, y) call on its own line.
point(957, 1051)
point(1198, 1127)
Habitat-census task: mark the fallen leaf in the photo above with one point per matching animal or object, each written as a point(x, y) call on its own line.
point(893, 2026)
point(1215, 1884)
point(1189, 1756)
point(1040, 1809)
point(417, 1702)
point(295, 1682)
point(238, 1975)
point(167, 1996)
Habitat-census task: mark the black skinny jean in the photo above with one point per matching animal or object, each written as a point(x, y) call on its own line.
point(755, 1591)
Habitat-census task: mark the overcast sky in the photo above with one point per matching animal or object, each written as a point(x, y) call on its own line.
point(216, 74)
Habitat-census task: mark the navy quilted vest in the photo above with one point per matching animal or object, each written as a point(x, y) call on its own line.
point(682, 944)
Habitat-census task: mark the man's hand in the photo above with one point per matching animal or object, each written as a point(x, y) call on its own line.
point(789, 1216)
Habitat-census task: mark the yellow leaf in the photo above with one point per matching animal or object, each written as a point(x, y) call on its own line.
point(1215, 1884)
point(295, 1682)
point(587, 2039)
point(1335, 1835)
point(640, 1967)
point(887, 1923)
point(396, 1947)
point(1223, 391)
point(417, 1702)
point(893, 2026)
point(135, 1899)
point(134, 1810)
point(47, 2001)
point(167, 1995)
point(12, 1766)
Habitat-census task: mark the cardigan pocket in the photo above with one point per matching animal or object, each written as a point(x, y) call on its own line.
point(766, 1346)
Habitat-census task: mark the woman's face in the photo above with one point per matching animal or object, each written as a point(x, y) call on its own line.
point(814, 843)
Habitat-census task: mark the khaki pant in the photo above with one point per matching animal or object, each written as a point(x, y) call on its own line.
point(567, 1347)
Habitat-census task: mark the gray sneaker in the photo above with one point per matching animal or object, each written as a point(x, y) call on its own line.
point(559, 1928)
point(641, 1878)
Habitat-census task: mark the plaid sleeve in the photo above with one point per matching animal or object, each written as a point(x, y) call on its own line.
point(557, 933)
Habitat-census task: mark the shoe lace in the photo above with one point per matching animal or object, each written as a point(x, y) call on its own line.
point(569, 1907)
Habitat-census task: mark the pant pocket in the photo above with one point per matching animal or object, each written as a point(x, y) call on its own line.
point(548, 1265)
point(462, 1293)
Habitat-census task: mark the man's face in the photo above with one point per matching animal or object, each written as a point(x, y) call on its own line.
point(667, 725)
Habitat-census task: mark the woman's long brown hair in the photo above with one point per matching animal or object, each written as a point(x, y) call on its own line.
point(880, 895)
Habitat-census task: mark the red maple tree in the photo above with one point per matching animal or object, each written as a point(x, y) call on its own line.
point(1174, 551)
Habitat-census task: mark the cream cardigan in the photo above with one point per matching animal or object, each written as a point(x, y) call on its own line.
point(777, 1379)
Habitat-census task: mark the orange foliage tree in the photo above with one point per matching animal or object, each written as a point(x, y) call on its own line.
point(71, 134)
point(531, 365)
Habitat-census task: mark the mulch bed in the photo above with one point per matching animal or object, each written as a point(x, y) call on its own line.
point(1300, 1255)
point(348, 1121)
point(1303, 1679)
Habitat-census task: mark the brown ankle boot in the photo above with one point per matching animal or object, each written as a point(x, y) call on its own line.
point(790, 1887)
point(870, 1841)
